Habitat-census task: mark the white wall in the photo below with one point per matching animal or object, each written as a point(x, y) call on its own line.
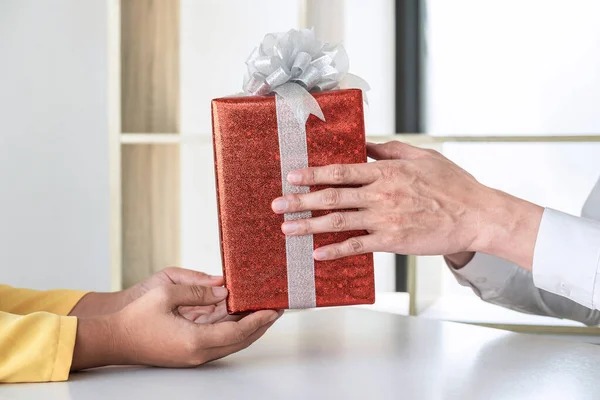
point(512, 67)
point(54, 199)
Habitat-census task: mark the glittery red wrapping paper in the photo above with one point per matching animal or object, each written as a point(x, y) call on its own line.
point(248, 179)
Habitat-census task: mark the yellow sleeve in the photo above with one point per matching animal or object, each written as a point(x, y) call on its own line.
point(37, 347)
point(25, 301)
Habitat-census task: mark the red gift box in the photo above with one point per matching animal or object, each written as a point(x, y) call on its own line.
point(248, 176)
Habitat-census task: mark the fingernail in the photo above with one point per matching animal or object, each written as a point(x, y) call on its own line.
point(289, 228)
point(274, 317)
point(219, 291)
point(320, 254)
point(294, 177)
point(279, 205)
point(215, 277)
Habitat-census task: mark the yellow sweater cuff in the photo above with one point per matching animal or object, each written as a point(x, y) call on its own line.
point(66, 300)
point(64, 349)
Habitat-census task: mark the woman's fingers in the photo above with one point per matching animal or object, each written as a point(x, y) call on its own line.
point(218, 314)
point(234, 332)
point(220, 352)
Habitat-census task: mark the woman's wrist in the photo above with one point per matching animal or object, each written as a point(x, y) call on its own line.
point(96, 343)
point(94, 304)
point(508, 228)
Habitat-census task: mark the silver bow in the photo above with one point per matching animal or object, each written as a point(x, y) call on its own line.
point(295, 63)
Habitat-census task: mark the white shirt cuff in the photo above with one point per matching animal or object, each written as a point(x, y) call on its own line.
point(566, 257)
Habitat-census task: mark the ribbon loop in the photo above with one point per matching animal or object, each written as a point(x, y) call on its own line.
point(301, 62)
point(277, 78)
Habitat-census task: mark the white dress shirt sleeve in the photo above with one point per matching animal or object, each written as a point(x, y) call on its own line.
point(566, 257)
point(505, 284)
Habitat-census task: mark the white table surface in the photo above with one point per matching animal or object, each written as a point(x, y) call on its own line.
point(349, 353)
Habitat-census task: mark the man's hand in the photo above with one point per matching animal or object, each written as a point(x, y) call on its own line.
point(94, 304)
point(152, 331)
point(412, 201)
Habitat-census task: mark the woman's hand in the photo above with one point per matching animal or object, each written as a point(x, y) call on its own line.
point(152, 331)
point(94, 304)
point(412, 201)
point(181, 276)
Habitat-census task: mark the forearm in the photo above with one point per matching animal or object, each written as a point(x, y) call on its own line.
point(507, 227)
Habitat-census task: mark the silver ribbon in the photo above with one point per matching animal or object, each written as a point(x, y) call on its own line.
point(292, 64)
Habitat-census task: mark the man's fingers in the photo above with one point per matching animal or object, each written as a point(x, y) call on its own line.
point(350, 247)
point(174, 296)
point(334, 222)
point(235, 332)
point(326, 199)
point(182, 276)
point(394, 151)
point(336, 174)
